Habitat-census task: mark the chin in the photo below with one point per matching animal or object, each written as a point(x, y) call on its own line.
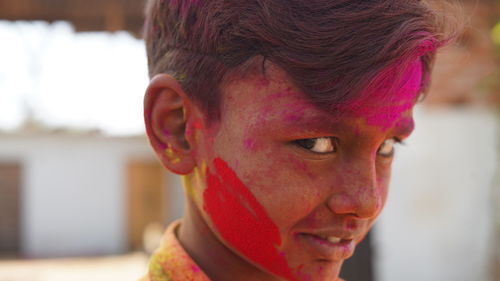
point(320, 270)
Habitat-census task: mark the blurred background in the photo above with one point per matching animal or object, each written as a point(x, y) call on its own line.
point(82, 197)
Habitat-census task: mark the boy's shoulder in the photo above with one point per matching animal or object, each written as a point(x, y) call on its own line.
point(170, 262)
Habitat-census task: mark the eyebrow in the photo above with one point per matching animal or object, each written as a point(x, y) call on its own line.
point(326, 123)
point(315, 122)
point(314, 119)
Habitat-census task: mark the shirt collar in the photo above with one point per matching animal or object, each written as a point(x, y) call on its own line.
point(171, 262)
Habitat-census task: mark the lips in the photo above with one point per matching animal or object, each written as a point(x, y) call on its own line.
point(330, 247)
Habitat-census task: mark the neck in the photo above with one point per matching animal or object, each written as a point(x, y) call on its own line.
point(217, 261)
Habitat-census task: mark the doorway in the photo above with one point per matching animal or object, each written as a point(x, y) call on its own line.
point(10, 205)
point(147, 202)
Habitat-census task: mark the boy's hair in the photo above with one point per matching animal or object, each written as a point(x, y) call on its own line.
point(330, 49)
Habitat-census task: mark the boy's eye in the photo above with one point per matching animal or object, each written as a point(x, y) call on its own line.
point(318, 145)
point(387, 148)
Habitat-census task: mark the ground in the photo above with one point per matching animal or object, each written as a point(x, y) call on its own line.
point(128, 267)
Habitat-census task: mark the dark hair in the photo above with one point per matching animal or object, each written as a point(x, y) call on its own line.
point(330, 49)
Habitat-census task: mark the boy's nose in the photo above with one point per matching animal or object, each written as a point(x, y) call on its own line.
point(358, 193)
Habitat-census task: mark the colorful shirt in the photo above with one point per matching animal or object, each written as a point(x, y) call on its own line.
point(171, 262)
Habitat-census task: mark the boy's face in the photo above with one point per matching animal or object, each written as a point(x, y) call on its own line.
point(291, 188)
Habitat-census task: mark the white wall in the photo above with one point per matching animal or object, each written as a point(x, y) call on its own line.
point(176, 201)
point(73, 193)
point(438, 222)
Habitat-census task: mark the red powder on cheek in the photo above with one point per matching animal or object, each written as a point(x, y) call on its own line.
point(242, 221)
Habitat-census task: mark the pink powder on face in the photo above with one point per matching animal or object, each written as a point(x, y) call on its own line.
point(303, 276)
point(284, 93)
point(295, 116)
point(262, 83)
point(195, 268)
point(197, 124)
point(381, 106)
point(242, 221)
point(249, 144)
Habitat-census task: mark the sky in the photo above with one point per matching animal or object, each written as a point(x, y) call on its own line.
point(65, 79)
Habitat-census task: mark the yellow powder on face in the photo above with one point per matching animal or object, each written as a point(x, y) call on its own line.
point(196, 180)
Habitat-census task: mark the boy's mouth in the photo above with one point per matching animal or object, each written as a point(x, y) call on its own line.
point(332, 239)
point(327, 246)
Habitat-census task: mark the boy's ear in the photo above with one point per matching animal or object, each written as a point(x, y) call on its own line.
point(166, 112)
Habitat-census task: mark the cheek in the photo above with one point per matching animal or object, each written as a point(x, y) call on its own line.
point(241, 220)
point(301, 168)
point(383, 181)
point(290, 192)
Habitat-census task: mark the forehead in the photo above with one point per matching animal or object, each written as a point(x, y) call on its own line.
point(274, 96)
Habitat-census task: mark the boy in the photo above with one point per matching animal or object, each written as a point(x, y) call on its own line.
point(282, 117)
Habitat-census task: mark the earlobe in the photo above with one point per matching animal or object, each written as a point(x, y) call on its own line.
point(166, 111)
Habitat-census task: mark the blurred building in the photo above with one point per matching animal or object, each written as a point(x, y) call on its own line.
point(80, 194)
point(86, 15)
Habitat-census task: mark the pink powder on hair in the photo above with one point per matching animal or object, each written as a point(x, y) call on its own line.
point(426, 46)
point(384, 103)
